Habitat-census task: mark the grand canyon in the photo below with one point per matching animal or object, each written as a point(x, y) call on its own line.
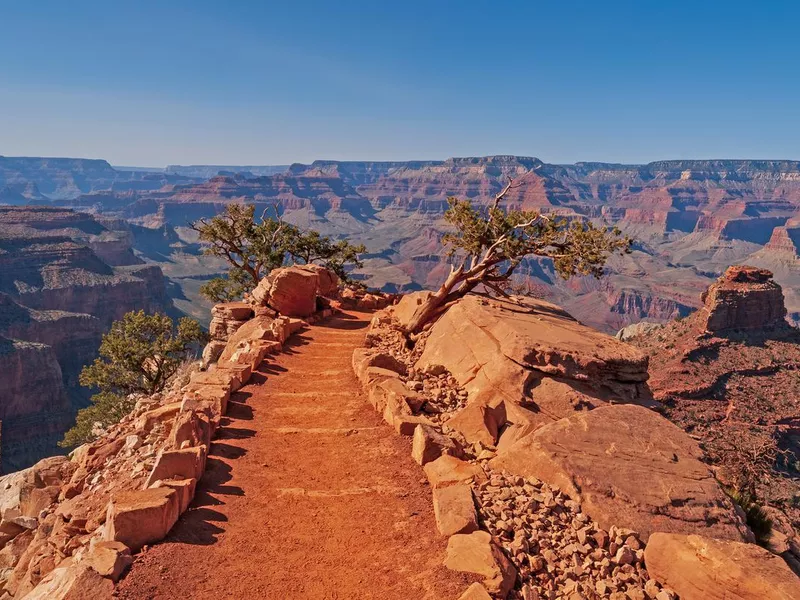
point(513, 449)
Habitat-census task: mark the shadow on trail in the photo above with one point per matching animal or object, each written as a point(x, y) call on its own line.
point(344, 322)
point(199, 525)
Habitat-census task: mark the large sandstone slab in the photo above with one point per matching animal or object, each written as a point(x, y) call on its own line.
point(500, 351)
point(699, 568)
point(141, 517)
point(629, 467)
point(454, 509)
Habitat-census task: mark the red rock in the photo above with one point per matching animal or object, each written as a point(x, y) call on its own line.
point(162, 414)
point(71, 581)
point(475, 592)
point(188, 463)
point(449, 470)
point(743, 298)
point(141, 517)
point(237, 311)
point(192, 427)
point(476, 423)
point(428, 445)
point(500, 351)
point(476, 553)
point(454, 509)
point(292, 291)
point(257, 328)
point(628, 466)
point(108, 559)
point(185, 488)
point(700, 568)
point(327, 280)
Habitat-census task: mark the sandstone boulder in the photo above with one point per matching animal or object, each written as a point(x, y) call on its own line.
point(141, 517)
point(476, 553)
point(475, 592)
point(449, 470)
point(71, 581)
point(500, 350)
point(109, 559)
point(743, 298)
point(327, 280)
point(292, 291)
point(700, 568)
point(637, 329)
point(477, 423)
point(257, 328)
point(454, 509)
point(428, 445)
point(628, 466)
point(187, 463)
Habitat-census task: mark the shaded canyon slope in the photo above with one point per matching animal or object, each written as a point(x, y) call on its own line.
point(65, 277)
point(690, 220)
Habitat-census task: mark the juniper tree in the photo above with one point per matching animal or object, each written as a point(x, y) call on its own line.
point(487, 245)
point(253, 248)
point(138, 355)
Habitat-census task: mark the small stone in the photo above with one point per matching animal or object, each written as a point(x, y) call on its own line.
point(624, 556)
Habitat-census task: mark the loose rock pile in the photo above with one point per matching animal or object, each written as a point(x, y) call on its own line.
point(558, 551)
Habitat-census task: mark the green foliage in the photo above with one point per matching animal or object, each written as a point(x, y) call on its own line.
point(577, 247)
point(757, 518)
point(488, 244)
point(226, 289)
point(311, 247)
point(139, 354)
point(254, 247)
point(107, 408)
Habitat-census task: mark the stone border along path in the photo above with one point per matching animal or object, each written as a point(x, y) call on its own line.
point(306, 494)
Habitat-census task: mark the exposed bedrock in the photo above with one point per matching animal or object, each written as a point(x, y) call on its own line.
point(532, 355)
point(743, 298)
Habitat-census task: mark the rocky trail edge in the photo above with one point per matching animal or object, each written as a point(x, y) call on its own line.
point(307, 494)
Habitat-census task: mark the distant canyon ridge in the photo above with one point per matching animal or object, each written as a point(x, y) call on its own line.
point(82, 242)
point(690, 218)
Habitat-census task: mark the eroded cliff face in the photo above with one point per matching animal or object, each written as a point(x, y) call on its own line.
point(64, 278)
point(34, 407)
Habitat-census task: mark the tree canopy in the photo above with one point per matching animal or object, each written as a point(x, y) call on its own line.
point(139, 354)
point(253, 247)
point(487, 245)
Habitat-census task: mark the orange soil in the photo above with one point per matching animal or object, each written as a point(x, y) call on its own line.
point(307, 494)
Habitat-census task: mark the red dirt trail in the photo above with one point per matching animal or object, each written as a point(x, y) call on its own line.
point(307, 494)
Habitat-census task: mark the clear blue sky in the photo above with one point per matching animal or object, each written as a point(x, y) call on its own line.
point(246, 82)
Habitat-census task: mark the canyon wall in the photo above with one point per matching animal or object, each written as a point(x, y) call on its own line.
point(64, 278)
point(690, 219)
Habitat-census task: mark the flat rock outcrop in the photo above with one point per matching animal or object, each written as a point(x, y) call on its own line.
point(743, 298)
point(530, 354)
point(699, 568)
point(628, 466)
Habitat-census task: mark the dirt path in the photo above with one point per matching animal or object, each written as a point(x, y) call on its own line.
point(308, 494)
